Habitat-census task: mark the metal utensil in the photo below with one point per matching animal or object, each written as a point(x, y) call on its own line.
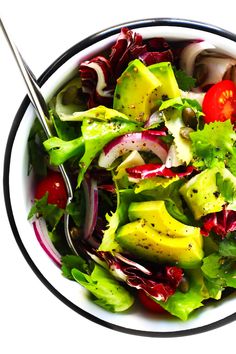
point(40, 106)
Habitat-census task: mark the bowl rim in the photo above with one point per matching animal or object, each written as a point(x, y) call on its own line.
point(170, 22)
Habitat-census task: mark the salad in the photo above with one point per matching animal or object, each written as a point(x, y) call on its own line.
point(146, 131)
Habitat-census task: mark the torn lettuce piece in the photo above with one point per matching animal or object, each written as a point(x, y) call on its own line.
point(108, 292)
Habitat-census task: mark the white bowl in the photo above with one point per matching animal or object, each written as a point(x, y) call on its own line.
point(18, 187)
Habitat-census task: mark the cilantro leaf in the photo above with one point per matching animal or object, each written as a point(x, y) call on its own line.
point(50, 212)
point(185, 82)
point(227, 187)
point(220, 269)
point(227, 247)
point(70, 262)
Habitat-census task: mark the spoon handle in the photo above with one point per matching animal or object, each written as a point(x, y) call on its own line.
point(40, 106)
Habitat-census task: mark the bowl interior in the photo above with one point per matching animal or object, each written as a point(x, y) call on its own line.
point(20, 196)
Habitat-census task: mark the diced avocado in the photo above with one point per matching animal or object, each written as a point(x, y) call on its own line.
point(143, 241)
point(202, 195)
point(164, 72)
point(155, 213)
point(133, 90)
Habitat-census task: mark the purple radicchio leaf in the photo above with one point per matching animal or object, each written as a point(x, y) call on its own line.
point(128, 46)
point(160, 282)
point(97, 81)
point(221, 223)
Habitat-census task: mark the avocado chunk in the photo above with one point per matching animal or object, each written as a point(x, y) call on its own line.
point(133, 91)
point(155, 213)
point(143, 241)
point(202, 195)
point(164, 72)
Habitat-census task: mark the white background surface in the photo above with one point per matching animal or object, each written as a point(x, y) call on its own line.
point(32, 319)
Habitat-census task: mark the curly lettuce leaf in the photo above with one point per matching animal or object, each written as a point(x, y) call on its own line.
point(108, 292)
point(214, 144)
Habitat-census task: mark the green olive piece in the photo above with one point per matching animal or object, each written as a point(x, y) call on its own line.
point(189, 118)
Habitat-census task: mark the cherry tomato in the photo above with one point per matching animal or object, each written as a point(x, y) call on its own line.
point(219, 103)
point(149, 304)
point(54, 184)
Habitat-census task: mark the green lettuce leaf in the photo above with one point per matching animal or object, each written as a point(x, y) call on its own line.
point(108, 292)
point(60, 150)
point(116, 219)
point(182, 304)
point(214, 144)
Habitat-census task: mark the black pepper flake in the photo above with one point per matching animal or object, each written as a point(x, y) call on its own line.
point(216, 194)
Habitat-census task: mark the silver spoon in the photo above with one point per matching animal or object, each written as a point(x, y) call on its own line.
point(40, 106)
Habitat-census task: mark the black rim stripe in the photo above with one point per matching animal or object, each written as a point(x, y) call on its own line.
point(7, 160)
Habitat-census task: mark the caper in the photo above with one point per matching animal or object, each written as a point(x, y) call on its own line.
point(184, 285)
point(185, 131)
point(200, 74)
point(189, 117)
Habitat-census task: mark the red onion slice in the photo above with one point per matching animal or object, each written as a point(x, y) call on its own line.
point(41, 232)
point(91, 201)
point(153, 170)
point(143, 141)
